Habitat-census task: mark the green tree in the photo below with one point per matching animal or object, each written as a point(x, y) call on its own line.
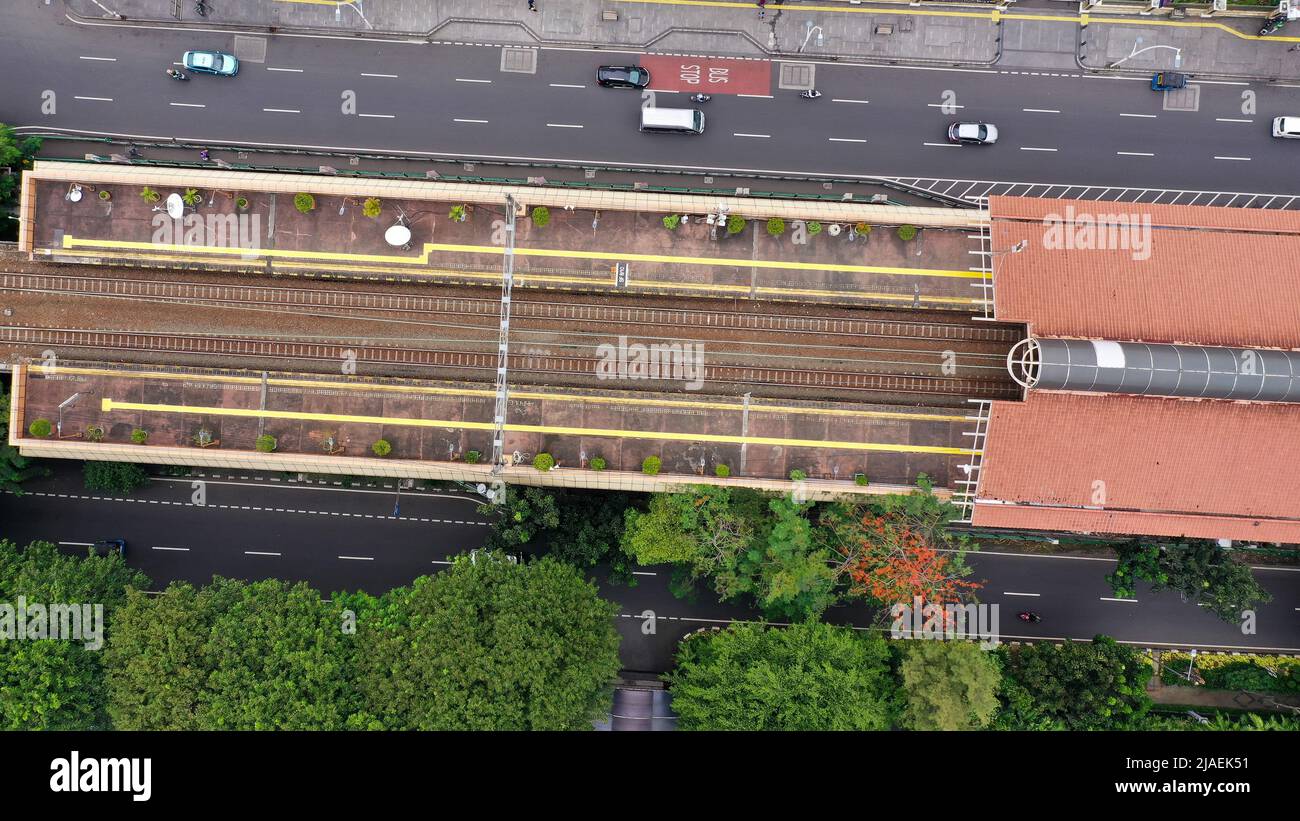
point(527, 512)
point(1200, 570)
point(114, 477)
point(17, 154)
point(230, 656)
point(1096, 686)
point(810, 676)
point(947, 685)
point(14, 467)
point(680, 528)
point(583, 528)
point(490, 645)
point(58, 684)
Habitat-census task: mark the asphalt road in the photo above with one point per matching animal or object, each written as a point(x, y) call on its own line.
point(455, 100)
point(346, 539)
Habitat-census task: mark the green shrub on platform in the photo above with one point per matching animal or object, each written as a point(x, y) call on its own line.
point(722, 471)
point(860, 479)
point(472, 457)
point(797, 475)
point(265, 443)
point(597, 463)
point(735, 224)
point(304, 202)
point(381, 447)
point(814, 228)
point(776, 226)
point(907, 233)
point(371, 207)
point(139, 436)
point(40, 428)
point(672, 221)
point(541, 216)
point(543, 462)
point(651, 465)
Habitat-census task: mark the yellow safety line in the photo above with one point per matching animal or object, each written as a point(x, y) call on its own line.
point(429, 247)
point(537, 395)
point(109, 405)
point(880, 6)
point(527, 279)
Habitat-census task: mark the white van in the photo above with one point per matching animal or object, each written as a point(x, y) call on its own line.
point(672, 120)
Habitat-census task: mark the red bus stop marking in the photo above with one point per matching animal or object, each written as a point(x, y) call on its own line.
point(711, 75)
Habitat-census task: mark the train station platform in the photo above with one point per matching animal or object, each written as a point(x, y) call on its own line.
point(439, 232)
point(444, 430)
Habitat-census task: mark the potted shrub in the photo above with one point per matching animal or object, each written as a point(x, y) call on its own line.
point(265, 443)
point(149, 195)
point(371, 207)
point(544, 462)
point(94, 433)
point(204, 438)
point(139, 436)
point(860, 479)
point(40, 428)
point(907, 233)
point(597, 463)
point(651, 465)
point(862, 229)
point(381, 447)
point(305, 203)
point(104, 195)
point(776, 226)
point(814, 228)
point(241, 203)
point(191, 197)
point(472, 457)
point(541, 216)
point(672, 221)
point(458, 213)
point(722, 471)
point(797, 475)
point(735, 224)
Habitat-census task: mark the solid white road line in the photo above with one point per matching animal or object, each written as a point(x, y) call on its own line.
point(458, 120)
point(760, 96)
point(647, 573)
point(1027, 148)
point(842, 100)
point(294, 70)
point(1042, 110)
point(761, 136)
point(97, 99)
point(435, 561)
point(1008, 593)
point(465, 80)
point(359, 558)
point(392, 76)
point(943, 105)
point(566, 85)
point(562, 125)
point(1241, 159)
point(77, 544)
point(1134, 154)
point(1231, 120)
point(1144, 116)
point(189, 105)
point(105, 59)
point(379, 116)
point(282, 110)
point(259, 553)
point(845, 140)
point(1126, 601)
point(943, 145)
point(181, 549)
point(295, 486)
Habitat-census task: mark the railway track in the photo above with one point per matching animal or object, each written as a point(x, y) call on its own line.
point(383, 305)
point(522, 364)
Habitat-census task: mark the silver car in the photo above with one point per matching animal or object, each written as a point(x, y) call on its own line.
point(1288, 128)
point(973, 133)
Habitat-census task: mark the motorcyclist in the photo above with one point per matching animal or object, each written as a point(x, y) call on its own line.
point(810, 94)
point(700, 98)
point(175, 74)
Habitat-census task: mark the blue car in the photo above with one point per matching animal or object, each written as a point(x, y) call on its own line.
point(211, 62)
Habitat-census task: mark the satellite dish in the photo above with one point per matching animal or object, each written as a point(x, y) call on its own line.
point(481, 489)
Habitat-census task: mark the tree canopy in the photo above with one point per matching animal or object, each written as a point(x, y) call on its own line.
point(58, 684)
point(1200, 570)
point(810, 676)
point(1097, 686)
point(948, 685)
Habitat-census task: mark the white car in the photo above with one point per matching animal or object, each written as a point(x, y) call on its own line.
point(973, 133)
point(1288, 128)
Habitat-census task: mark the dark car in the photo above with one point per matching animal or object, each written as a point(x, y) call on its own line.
point(622, 77)
point(973, 133)
point(107, 547)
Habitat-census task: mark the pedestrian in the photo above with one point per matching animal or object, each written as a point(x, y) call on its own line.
point(203, 155)
point(532, 5)
point(762, 12)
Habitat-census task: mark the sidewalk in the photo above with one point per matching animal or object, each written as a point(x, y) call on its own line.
point(1028, 36)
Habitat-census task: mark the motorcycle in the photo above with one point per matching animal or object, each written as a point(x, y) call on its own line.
point(700, 98)
point(176, 75)
point(201, 8)
point(1029, 616)
point(1272, 25)
point(810, 94)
